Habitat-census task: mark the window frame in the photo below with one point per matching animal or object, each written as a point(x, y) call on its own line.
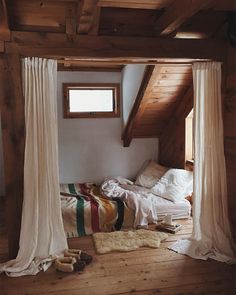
point(115, 87)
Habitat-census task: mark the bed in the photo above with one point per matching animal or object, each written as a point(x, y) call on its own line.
point(119, 204)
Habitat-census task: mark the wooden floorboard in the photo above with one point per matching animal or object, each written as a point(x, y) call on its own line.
point(142, 272)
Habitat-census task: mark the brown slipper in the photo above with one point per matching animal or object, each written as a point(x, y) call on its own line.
point(79, 265)
point(86, 257)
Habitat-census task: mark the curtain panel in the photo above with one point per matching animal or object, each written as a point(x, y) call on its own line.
point(42, 235)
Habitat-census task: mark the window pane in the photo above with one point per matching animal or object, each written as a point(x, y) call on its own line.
point(89, 100)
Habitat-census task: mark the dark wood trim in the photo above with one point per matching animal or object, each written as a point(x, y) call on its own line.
point(116, 100)
point(127, 134)
point(131, 49)
point(13, 135)
point(177, 13)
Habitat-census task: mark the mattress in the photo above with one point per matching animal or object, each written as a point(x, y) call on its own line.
point(178, 210)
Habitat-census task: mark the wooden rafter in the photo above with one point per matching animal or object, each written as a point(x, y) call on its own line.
point(127, 135)
point(89, 15)
point(177, 13)
point(5, 34)
point(71, 24)
point(110, 47)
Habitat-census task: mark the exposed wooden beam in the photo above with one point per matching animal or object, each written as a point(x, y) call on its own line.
point(153, 79)
point(117, 48)
point(127, 135)
point(89, 16)
point(13, 135)
point(71, 24)
point(5, 34)
point(177, 13)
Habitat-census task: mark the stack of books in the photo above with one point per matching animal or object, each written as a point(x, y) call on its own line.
point(173, 228)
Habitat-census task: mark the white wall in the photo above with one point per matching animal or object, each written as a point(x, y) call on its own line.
point(2, 186)
point(91, 149)
point(131, 79)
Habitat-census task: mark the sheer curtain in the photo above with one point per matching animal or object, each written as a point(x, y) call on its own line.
point(42, 235)
point(211, 237)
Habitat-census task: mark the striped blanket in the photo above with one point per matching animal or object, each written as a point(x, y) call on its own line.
point(86, 211)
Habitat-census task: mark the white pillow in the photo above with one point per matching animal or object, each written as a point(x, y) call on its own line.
point(174, 185)
point(150, 175)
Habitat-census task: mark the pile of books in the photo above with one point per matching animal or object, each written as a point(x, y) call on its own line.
point(171, 228)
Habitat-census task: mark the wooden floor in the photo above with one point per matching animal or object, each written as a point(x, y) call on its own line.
point(141, 272)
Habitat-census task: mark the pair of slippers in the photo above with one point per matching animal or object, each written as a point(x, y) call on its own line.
point(73, 260)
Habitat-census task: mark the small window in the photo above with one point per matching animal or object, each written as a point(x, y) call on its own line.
point(91, 100)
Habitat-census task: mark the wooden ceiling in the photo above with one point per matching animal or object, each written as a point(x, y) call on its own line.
point(108, 34)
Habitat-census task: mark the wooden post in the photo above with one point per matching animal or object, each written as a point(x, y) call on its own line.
point(13, 132)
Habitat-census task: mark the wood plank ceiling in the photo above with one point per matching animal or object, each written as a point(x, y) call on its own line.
point(169, 79)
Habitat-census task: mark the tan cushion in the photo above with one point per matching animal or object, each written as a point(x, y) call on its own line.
point(150, 175)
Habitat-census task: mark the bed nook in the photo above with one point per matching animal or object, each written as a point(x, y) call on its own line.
point(117, 132)
point(119, 204)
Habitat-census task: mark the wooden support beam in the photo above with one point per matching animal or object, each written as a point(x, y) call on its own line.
point(172, 139)
point(5, 34)
point(13, 135)
point(89, 16)
point(143, 105)
point(127, 135)
point(177, 13)
point(117, 48)
point(2, 47)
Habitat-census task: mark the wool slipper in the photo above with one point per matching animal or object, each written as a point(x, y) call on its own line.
point(69, 264)
point(79, 255)
point(65, 264)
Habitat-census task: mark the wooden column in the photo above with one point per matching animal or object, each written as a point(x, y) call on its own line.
point(230, 133)
point(13, 133)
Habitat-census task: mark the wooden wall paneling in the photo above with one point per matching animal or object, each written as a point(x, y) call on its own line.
point(2, 46)
point(172, 139)
point(39, 15)
point(177, 13)
point(13, 134)
point(230, 133)
point(127, 134)
point(5, 33)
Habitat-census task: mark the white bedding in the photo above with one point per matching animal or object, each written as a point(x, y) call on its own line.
point(148, 207)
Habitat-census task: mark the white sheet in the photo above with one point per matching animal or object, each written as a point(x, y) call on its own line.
point(162, 206)
point(148, 207)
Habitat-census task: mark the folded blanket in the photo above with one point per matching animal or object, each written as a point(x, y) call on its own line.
point(85, 210)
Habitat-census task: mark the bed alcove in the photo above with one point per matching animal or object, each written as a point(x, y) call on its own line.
point(12, 116)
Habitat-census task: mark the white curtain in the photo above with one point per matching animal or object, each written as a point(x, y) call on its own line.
point(42, 235)
point(211, 237)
